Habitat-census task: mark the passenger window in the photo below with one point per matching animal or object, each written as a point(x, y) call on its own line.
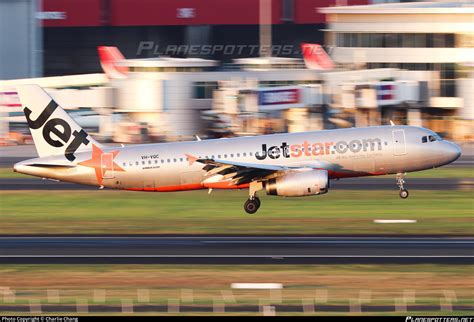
point(168, 160)
point(225, 156)
point(136, 163)
point(245, 154)
point(181, 159)
point(250, 153)
point(162, 161)
point(238, 155)
point(424, 139)
point(174, 160)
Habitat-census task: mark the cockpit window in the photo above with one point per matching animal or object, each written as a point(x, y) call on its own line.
point(431, 138)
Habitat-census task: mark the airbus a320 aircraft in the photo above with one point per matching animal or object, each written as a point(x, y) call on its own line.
point(289, 165)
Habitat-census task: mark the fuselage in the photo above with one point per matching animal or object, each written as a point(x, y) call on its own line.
point(351, 152)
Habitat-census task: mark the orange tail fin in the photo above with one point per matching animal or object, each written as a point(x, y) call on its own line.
point(315, 57)
point(109, 56)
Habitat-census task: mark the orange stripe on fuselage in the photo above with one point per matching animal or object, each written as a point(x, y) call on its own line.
point(225, 185)
point(183, 187)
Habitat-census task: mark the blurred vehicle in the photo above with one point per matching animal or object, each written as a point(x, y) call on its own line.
point(16, 138)
point(216, 124)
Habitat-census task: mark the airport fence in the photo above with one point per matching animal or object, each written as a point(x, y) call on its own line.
point(228, 302)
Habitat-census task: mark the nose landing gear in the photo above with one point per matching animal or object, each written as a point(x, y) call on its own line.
point(400, 181)
point(404, 193)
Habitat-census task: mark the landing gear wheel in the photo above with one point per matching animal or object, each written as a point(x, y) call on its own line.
point(400, 182)
point(251, 205)
point(404, 193)
point(257, 200)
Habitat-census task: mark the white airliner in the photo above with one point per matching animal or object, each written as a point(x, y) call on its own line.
point(289, 165)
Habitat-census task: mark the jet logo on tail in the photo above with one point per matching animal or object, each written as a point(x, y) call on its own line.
point(59, 127)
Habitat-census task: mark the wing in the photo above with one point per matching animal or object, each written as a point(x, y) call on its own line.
point(237, 172)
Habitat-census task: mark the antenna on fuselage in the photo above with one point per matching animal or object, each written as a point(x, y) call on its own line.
point(391, 123)
point(198, 138)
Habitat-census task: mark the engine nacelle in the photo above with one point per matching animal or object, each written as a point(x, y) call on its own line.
point(299, 183)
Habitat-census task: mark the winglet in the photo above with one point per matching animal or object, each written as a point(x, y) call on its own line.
point(391, 123)
point(191, 159)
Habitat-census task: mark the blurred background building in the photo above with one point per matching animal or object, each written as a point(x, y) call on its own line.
point(225, 68)
point(419, 36)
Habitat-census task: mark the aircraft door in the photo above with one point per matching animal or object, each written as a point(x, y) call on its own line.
point(399, 144)
point(107, 165)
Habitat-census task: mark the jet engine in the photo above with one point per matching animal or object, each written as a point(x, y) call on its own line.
point(298, 184)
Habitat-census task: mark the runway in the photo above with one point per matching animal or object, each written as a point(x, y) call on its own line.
point(235, 250)
point(343, 184)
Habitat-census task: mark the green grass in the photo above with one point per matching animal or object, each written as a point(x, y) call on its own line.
point(445, 172)
point(8, 173)
point(196, 212)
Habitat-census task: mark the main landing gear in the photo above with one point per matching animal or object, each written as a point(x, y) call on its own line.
point(400, 181)
point(253, 203)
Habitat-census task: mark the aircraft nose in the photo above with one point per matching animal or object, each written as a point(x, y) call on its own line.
point(453, 151)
